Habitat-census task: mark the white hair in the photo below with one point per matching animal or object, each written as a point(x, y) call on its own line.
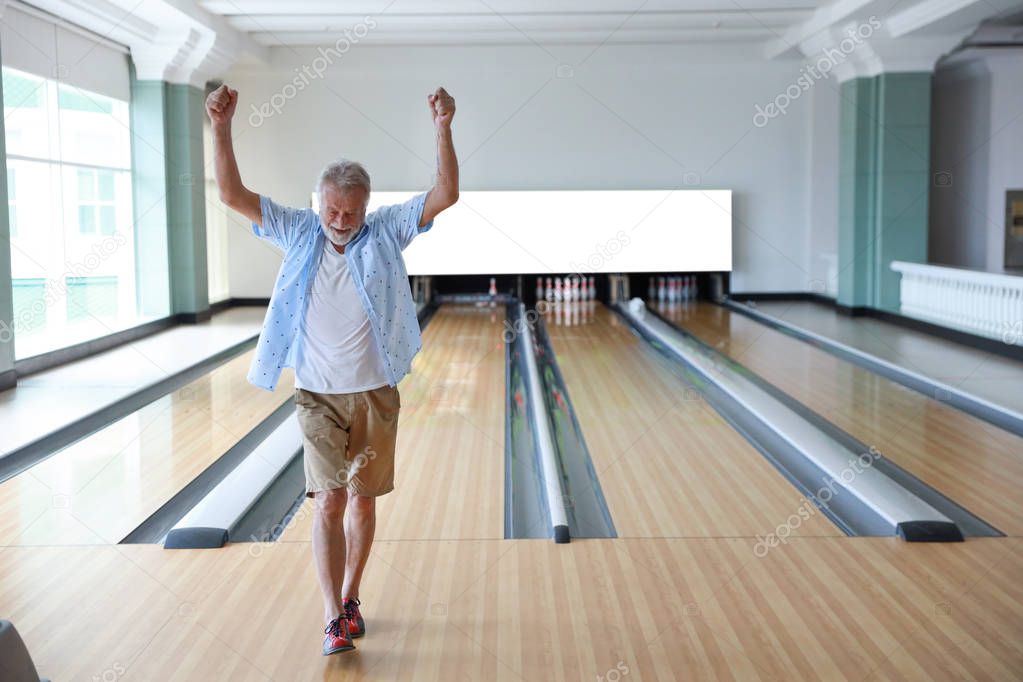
point(344, 175)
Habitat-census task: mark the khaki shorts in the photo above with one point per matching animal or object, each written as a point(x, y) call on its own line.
point(349, 439)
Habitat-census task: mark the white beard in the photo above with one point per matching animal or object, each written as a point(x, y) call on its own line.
point(335, 237)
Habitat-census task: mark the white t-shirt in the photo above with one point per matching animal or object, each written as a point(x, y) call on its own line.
point(337, 352)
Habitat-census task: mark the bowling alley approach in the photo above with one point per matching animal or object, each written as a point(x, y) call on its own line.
point(506, 340)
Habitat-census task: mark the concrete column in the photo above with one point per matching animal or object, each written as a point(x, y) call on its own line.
point(186, 205)
point(884, 183)
point(7, 376)
point(170, 225)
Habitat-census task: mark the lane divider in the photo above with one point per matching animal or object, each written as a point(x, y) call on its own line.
point(209, 523)
point(552, 484)
point(892, 507)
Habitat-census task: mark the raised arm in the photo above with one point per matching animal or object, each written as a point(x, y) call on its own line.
point(220, 106)
point(445, 190)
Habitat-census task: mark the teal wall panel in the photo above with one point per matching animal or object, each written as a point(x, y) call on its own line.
point(884, 157)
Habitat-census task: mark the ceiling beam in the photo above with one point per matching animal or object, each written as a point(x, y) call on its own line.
point(489, 20)
point(171, 40)
point(944, 15)
point(821, 20)
point(512, 36)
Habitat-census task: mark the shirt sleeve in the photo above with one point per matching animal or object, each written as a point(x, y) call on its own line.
point(402, 220)
point(281, 225)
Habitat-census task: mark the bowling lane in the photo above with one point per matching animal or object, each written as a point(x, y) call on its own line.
point(102, 487)
point(449, 477)
point(668, 464)
point(975, 463)
point(984, 374)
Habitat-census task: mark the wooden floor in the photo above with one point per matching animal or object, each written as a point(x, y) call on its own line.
point(449, 477)
point(857, 609)
point(969, 460)
point(49, 400)
point(102, 487)
point(446, 599)
point(668, 464)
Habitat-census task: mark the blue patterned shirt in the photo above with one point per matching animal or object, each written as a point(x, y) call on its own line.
point(377, 268)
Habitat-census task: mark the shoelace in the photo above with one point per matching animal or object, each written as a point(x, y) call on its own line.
point(333, 628)
point(350, 606)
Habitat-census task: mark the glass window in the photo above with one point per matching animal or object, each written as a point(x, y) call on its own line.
point(92, 298)
point(72, 99)
point(105, 186)
point(69, 188)
point(27, 123)
point(22, 91)
point(86, 183)
point(93, 128)
point(96, 210)
point(12, 201)
point(29, 303)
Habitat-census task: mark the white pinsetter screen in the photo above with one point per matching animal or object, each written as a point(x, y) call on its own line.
point(553, 232)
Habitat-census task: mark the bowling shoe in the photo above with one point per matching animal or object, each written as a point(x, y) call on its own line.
point(337, 638)
point(356, 625)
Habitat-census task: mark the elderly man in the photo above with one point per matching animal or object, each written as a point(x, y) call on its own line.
point(342, 315)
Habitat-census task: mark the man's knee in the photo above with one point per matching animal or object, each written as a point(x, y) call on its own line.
point(330, 504)
point(362, 503)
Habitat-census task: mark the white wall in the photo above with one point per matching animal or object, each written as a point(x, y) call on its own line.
point(628, 117)
point(977, 135)
point(1006, 160)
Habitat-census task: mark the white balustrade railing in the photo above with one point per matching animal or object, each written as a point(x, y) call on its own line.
point(984, 303)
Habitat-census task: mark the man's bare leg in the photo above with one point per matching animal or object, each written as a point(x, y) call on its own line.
point(329, 548)
point(360, 526)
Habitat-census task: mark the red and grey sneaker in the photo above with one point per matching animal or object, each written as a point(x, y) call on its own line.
point(356, 625)
point(337, 638)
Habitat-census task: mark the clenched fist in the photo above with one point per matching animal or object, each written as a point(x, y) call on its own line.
point(221, 103)
point(442, 107)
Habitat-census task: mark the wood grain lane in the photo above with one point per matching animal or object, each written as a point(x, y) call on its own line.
point(967, 459)
point(649, 609)
point(449, 460)
point(102, 487)
point(669, 465)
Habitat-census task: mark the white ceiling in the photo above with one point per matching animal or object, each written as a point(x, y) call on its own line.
point(502, 22)
point(510, 22)
point(194, 40)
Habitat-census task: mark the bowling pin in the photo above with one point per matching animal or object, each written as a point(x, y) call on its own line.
point(557, 288)
point(539, 288)
point(549, 291)
point(661, 292)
